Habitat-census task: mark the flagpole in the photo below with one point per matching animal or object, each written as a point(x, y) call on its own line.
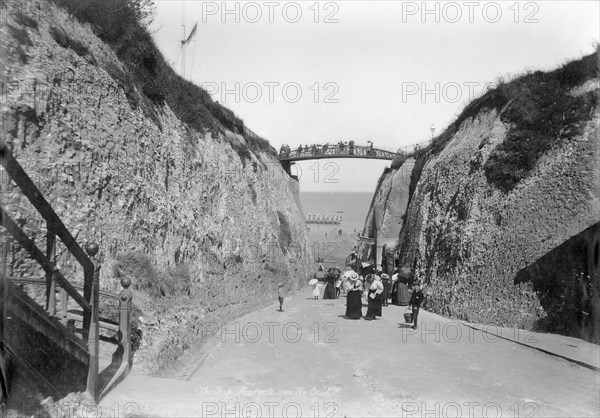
point(183, 54)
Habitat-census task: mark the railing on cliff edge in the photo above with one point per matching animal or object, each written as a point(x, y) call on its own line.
point(90, 301)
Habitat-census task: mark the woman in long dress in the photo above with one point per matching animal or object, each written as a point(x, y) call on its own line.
point(329, 292)
point(353, 299)
point(405, 277)
point(374, 299)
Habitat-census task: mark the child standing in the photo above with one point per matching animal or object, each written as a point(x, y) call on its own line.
point(280, 295)
point(415, 301)
point(316, 291)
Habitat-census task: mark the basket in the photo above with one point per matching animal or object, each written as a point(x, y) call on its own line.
point(408, 317)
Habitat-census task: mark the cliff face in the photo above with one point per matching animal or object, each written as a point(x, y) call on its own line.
point(388, 208)
point(201, 213)
point(485, 252)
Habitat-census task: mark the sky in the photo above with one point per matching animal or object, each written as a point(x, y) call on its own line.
point(311, 72)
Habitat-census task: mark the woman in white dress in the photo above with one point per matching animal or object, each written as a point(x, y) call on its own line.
point(316, 290)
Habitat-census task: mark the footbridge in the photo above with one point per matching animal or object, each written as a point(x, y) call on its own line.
point(288, 156)
point(315, 152)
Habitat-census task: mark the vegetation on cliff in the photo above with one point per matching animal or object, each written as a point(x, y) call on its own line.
point(149, 80)
point(502, 205)
point(541, 113)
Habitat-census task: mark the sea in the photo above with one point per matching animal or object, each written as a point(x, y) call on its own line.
point(354, 205)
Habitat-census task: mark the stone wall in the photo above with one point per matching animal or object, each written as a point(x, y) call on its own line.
point(388, 208)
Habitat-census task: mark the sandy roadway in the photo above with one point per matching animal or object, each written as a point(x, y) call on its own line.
point(310, 361)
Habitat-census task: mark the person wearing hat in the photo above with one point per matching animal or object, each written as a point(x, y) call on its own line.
point(280, 295)
point(374, 298)
point(353, 300)
point(387, 288)
point(394, 294)
point(415, 301)
point(403, 284)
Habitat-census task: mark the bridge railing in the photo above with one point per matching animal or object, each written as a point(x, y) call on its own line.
point(90, 301)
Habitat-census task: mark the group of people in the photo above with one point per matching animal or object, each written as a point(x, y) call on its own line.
point(333, 284)
point(343, 146)
point(379, 289)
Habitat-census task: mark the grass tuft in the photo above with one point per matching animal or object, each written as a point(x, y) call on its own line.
point(146, 277)
point(65, 41)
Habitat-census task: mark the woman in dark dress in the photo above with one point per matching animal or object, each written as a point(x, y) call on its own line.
point(329, 292)
point(353, 298)
point(375, 298)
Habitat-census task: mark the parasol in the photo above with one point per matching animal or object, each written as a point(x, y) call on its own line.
point(348, 274)
point(406, 273)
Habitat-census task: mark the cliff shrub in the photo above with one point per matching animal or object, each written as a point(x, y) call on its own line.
point(146, 277)
point(23, 41)
point(542, 115)
point(25, 20)
point(65, 41)
point(285, 232)
point(398, 161)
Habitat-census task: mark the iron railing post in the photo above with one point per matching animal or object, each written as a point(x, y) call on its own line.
point(94, 331)
point(50, 275)
point(64, 306)
point(125, 298)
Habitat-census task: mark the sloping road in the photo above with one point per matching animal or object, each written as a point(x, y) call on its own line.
point(310, 361)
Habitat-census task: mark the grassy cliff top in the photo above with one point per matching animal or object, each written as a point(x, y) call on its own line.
point(541, 111)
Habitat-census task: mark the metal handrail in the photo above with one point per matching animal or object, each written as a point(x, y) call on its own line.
point(90, 301)
point(55, 227)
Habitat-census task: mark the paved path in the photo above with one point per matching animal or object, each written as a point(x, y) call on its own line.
point(310, 361)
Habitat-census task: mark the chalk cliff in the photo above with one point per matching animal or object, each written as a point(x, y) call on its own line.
point(502, 223)
point(205, 216)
